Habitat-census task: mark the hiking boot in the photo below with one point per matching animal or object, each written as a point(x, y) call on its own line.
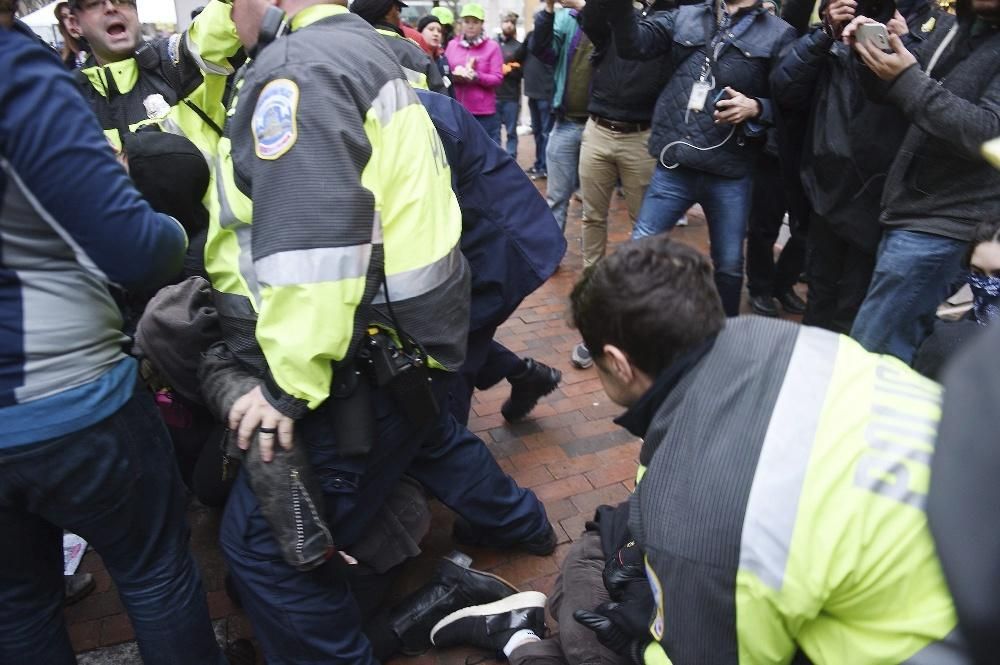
point(581, 357)
point(541, 545)
point(791, 302)
point(763, 305)
point(536, 381)
point(78, 586)
point(491, 626)
point(453, 585)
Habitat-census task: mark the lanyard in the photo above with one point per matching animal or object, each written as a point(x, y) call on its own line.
point(715, 43)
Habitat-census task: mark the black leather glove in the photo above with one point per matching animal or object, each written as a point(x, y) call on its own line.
point(615, 629)
point(623, 568)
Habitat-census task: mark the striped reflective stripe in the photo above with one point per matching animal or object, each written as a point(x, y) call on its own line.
point(195, 52)
point(244, 236)
point(394, 96)
point(948, 651)
point(319, 264)
point(773, 504)
point(417, 282)
point(308, 266)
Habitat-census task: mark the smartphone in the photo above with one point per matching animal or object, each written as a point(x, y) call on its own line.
point(874, 34)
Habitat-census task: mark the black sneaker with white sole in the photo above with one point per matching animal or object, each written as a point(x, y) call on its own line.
point(491, 626)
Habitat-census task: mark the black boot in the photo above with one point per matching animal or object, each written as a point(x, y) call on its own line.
point(453, 586)
point(542, 544)
point(536, 381)
point(791, 301)
point(491, 626)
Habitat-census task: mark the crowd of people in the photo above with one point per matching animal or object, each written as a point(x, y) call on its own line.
point(263, 262)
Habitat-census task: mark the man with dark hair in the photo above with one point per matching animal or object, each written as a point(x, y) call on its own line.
point(781, 503)
point(509, 92)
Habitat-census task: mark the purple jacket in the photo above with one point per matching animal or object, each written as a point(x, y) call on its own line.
point(479, 96)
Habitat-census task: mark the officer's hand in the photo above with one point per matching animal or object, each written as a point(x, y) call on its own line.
point(609, 633)
point(886, 66)
point(253, 414)
point(623, 568)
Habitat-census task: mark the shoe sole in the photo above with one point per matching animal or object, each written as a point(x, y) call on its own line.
point(522, 600)
point(581, 365)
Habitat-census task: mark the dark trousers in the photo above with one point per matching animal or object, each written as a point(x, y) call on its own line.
point(487, 363)
point(541, 125)
point(491, 123)
point(580, 586)
point(839, 272)
point(312, 618)
point(765, 277)
point(116, 484)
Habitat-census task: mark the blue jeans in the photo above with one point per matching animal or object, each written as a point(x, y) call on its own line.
point(914, 273)
point(491, 123)
point(312, 617)
point(562, 154)
point(508, 112)
point(726, 202)
point(116, 484)
point(541, 125)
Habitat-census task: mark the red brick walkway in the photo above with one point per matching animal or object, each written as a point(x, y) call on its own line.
point(569, 452)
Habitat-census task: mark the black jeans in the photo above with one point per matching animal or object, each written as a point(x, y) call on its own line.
point(765, 277)
point(839, 272)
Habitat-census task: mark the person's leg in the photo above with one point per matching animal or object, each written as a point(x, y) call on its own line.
point(857, 267)
point(116, 485)
point(500, 363)
point(914, 272)
point(635, 167)
point(670, 193)
point(455, 466)
point(508, 112)
point(562, 157)
point(491, 123)
point(598, 175)
point(539, 109)
point(32, 629)
point(464, 380)
point(824, 271)
point(299, 618)
point(767, 210)
point(791, 261)
point(726, 202)
point(580, 586)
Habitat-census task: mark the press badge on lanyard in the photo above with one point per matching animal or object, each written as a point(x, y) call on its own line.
point(699, 94)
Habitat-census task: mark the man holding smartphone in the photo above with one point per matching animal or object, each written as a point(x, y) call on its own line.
point(939, 185)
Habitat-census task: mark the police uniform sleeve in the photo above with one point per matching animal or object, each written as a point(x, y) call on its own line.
point(316, 234)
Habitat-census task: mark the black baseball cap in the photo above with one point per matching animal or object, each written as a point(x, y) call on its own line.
point(374, 10)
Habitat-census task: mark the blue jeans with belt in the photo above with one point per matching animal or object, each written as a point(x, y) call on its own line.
point(726, 202)
point(307, 618)
point(116, 484)
point(914, 273)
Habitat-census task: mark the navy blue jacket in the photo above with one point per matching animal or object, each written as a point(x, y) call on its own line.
point(509, 236)
point(744, 64)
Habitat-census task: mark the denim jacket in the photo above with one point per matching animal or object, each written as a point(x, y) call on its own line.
point(747, 52)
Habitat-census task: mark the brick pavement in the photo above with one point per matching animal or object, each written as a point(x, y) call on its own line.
point(569, 452)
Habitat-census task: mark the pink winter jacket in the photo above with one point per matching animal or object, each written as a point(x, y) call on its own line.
point(480, 96)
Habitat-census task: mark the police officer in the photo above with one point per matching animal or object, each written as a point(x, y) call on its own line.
point(176, 83)
point(787, 469)
point(352, 241)
point(384, 16)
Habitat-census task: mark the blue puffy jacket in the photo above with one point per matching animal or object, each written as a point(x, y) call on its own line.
point(509, 236)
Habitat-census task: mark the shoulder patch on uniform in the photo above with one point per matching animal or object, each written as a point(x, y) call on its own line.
point(273, 125)
point(656, 628)
point(929, 25)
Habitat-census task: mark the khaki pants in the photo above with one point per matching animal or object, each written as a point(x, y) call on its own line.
point(606, 157)
point(580, 586)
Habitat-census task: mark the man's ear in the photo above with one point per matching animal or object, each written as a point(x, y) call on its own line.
point(619, 364)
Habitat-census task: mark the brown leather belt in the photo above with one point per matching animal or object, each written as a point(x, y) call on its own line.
point(619, 127)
